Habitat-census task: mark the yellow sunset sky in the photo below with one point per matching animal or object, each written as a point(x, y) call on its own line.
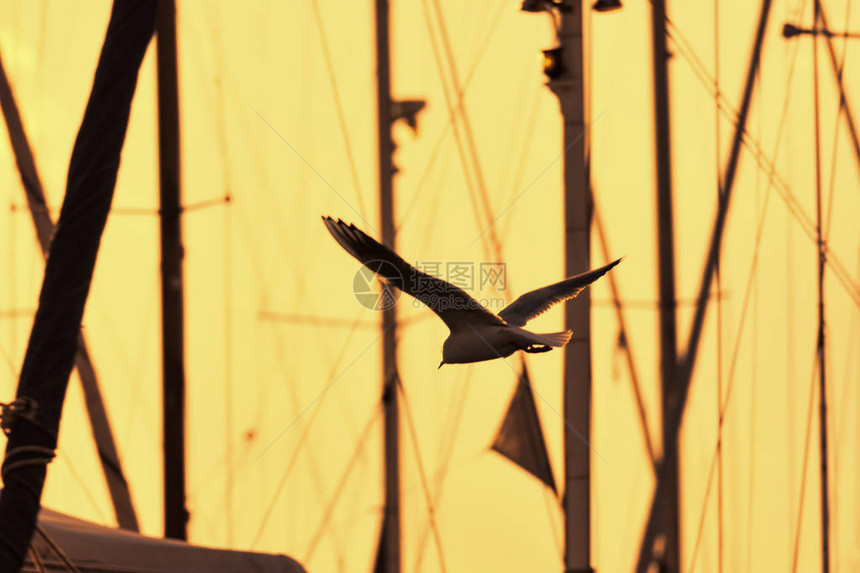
point(269, 301)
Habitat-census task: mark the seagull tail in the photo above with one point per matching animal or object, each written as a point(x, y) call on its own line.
point(556, 339)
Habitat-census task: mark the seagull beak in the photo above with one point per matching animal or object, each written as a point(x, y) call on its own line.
point(440, 365)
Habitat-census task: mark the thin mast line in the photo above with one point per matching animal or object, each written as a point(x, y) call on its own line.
point(806, 449)
point(718, 284)
point(431, 511)
point(446, 454)
point(724, 404)
point(452, 113)
point(767, 165)
point(338, 104)
point(464, 119)
point(227, 181)
point(822, 366)
point(494, 242)
point(303, 438)
point(341, 485)
point(437, 56)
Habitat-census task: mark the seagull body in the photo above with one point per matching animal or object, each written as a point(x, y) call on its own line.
point(476, 334)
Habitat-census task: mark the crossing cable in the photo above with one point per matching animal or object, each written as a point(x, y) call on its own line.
point(338, 104)
point(431, 511)
point(341, 485)
point(766, 164)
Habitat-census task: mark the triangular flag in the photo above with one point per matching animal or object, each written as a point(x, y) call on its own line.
point(520, 438)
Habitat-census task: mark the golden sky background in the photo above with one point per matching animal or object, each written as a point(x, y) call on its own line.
point(254, 82)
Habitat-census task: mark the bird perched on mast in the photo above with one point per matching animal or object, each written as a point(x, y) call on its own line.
point(476, 333)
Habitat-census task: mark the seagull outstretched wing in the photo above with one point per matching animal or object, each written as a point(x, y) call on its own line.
point(538, 301)
point(451, 303)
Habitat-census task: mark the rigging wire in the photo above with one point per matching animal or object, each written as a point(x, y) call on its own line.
point(516, 178)
point(431, 511)
point(7, 358)
point(228, 369)
point(431, 215)
point(254, 258)
point(835, 425)
point(772, 183)
point(703, 513)
point(623, 335)
point(765, 163)
point(134, 367)
point(732, 366)
point(453, 110)
point(467, 175)
point(792, 396)
point(135, 211)
point(718, 285)
point(448, 445)
point(262, 282)
point(753, 385)
point(84, 486)
point(839, 425)
point(341, 485)
point(420, 186)
point(461, 94)
point(315, 320)
point(804, 467)
point(822, 367)
point(279, 354)
point(521, 130)
point(37, 561)
point(316, 475)
point(476, 166)
point(747, 293)
point(338, 104)
point(227, 182)
point(839, 113)
point(452, 118)
point(15, 313)
point(477, 170)
point(307, 427)
point(445, 454)
point(551, 506)
point(471, 172)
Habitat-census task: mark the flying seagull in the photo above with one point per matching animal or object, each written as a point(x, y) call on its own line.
point(476, 333)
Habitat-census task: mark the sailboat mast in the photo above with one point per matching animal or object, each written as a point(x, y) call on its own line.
point(45, 228)
point(822, 259)
point(669, 502)
point(569, 87)
point(175, 512)
point(33, 420)
point(389, 549)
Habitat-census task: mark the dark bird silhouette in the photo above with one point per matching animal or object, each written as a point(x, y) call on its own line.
point(476, 333)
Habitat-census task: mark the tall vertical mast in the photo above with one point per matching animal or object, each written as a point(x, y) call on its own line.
point(568, 84)
point(666, 477)
point(175, 512)
point(666, 258)
point(45, 228)
point(33, 419)
point(389, 557)
point(822, 259)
